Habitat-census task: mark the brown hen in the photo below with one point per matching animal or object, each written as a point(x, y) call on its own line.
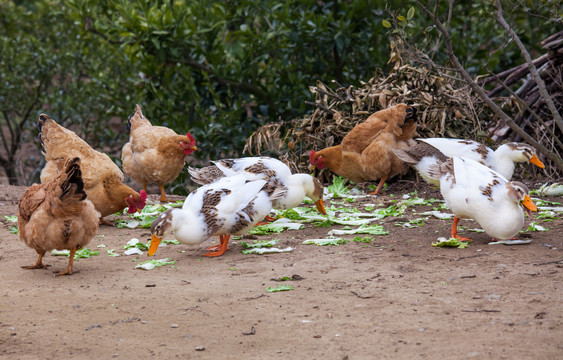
point(57, 215)
point(154, 153)
point(366, 152)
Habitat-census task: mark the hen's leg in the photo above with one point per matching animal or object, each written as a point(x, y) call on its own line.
point(222, 247)
point(163, 197)
point(68, 270)
point(454, 231)
point(38, 264)
point(381, 182)
point(106, 222)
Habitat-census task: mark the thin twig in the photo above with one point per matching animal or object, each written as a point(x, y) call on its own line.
point(550, 262)
point(361, 296)
point(533, 70)
point(470, 257)
point(322, 107)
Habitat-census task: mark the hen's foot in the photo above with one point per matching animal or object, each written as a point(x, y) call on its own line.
point(106, 222)
point(36, 266)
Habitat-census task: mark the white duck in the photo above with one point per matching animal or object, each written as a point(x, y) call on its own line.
point(229, 206)
point(421, 157)
point(473, 191)
point(501, 160)
point(272, 170)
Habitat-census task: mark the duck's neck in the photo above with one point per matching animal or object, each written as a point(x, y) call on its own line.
point(504, 158)
point(300, 183)
point(309, 186)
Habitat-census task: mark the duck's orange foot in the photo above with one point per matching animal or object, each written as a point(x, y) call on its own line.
point(269, 218)
point(461, 238)
point(215, 247)
point(512, 238)
point(222, 247)
point(216, 253)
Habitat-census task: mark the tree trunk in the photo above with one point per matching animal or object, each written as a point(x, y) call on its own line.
point(10, 169)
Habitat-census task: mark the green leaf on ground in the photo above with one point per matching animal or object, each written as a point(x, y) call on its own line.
point(325, 242)
point(280, 287)
point(451, 242)
point(151, 264)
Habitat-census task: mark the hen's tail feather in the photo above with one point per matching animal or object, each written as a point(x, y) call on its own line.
point(42, 120)
point(129, 122)
point(73, 183)
point(411, 113)
point(137, 113)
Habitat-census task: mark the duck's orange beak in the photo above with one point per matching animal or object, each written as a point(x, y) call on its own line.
point(536, 161)
point(155, 241)
point(320, 206)
point(528, 203)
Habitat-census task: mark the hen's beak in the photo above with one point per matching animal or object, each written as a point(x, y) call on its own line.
point(194, 148)
point(155, 241)
point(534, 160)
point(320, 206)
point(139, 210)
point(529, 204)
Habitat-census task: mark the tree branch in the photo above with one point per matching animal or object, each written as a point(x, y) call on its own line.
point(4, 141)
point(496, 109)
point(88, 26)
point(526, 106)
point(533, 70)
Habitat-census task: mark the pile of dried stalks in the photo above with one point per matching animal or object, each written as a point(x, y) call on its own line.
point(445, 108)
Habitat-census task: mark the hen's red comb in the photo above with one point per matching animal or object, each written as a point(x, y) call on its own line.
point(311, 155)
point(143, 195)
point(190, 137)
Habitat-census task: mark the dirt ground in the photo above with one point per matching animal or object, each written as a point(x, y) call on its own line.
point(396, 298)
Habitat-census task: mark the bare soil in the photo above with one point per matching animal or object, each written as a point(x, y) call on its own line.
point(396, 298)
